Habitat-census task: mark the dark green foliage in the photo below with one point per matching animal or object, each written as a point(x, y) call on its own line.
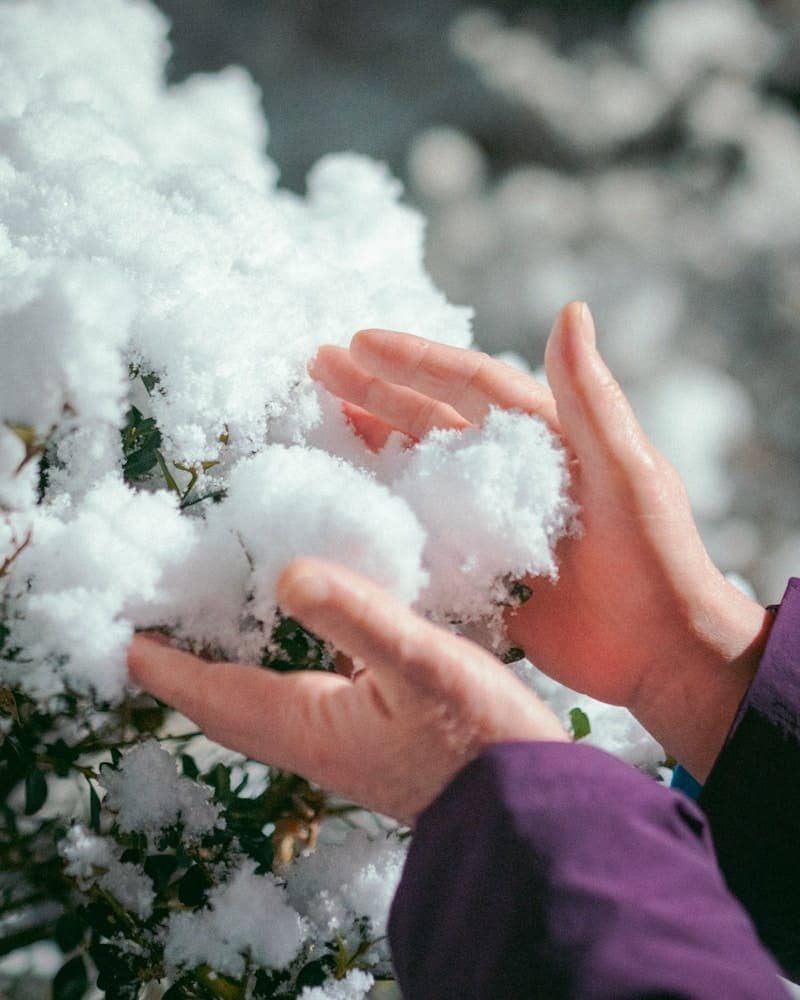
point(35, 790)
point(71, 981)
point(70, 931)
point(94, 809)
point(293, 648)
point(141, 440)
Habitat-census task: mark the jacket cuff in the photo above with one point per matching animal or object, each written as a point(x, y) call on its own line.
point(748, 797)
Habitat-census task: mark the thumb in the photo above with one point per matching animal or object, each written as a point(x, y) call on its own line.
point(596, 418)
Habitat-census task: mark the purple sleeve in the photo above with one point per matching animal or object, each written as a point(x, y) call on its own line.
point(554, 870)
point(752, 796)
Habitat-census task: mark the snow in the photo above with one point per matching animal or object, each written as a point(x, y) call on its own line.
point(355, 986)
point(339, 882)
point(147, 794)
point(148, 259)
point(503, 520)
point(92, 859)
point(247, 915)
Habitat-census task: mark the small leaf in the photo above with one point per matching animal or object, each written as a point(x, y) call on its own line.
point(219, 777)
point(160, 868)
point(513, 654)
point(190, 769)
point(193, 886)
point(35, 790)
point(69, 931)
point(94, 808)
point(579, 721)
point(71, 981)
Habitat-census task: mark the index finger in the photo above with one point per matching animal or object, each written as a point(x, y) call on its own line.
point(469, 381)
point(371, 626)
point(260, 713)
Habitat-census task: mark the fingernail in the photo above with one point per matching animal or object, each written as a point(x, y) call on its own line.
point(587, 327)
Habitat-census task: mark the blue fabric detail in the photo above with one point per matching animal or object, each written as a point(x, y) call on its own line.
point(684, 782)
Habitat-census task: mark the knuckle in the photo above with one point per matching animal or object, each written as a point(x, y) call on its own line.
point(424, 418)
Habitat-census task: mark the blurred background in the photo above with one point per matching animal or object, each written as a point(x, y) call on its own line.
point(644, 156)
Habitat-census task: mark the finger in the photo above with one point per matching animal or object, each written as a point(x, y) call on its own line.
point(372, 431)
point(275, 717)
point(368, 624)
point(468, 381)
point(595, 415)
point(404, 409)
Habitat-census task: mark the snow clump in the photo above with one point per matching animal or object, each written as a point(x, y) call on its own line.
point(355, 986)
point(163, 449)
point(247, 915)
point(147, 794)
point(94, 860)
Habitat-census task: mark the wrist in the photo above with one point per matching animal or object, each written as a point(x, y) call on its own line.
point(689, 700)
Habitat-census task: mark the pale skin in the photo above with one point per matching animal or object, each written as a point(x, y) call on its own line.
point(639, 616)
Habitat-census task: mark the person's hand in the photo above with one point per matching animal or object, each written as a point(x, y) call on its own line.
point(419, 705)
point(639, 616)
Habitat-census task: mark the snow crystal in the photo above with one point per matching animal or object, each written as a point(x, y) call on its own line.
point(339, 882)
point(493, 502)
point(147, 794)
point(92, 859)
point(355, 986)
point(247, 915)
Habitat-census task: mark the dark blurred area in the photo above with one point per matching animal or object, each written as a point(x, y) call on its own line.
point(368, 75)
point(644, 156)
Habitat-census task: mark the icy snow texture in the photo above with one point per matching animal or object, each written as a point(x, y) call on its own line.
point(147, 794)
point(143, 232)
point(92, 859)
point(337, 883)
point(247, 915)
point(355, 986)
point(496, 513)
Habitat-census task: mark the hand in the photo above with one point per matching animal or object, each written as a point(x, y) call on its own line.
point(419, 705)
point(639, 616)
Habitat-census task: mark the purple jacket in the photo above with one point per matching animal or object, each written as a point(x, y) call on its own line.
point(556, 871)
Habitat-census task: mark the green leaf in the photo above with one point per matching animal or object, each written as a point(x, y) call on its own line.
point(190, 769)
point(294, 648)
point(193, 886)
point(35, 790)
point(579, 721)
point(512, 654)
point(69, 931)
point(160, 868)
point(219, 777)
point(71, 981)
point(94, 808)
point(141, 440)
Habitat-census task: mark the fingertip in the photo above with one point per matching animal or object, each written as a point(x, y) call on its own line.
point(363, 339)
point(303, 584)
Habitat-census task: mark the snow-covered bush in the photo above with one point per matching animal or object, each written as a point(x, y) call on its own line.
point(163, 454)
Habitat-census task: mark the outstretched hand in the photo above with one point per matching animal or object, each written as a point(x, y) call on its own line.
point(639, 615)
point(419, 705)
